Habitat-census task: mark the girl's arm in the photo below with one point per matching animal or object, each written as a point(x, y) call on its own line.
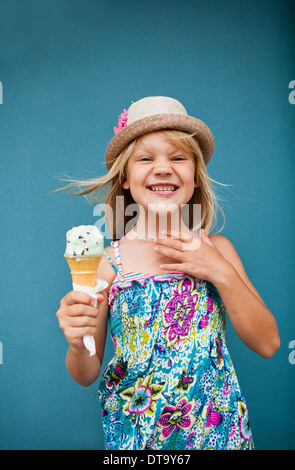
point(78, 317)
point(252, 320)
point(83, 368)
point(214, 259)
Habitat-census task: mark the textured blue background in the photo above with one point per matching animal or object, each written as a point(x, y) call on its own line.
point(68, 70)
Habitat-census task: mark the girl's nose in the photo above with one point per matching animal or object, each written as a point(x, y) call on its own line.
point(162, 168)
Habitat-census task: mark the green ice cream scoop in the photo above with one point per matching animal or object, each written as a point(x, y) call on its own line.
point(84, 241)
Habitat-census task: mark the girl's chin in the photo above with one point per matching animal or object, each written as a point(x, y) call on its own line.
point(163, 208)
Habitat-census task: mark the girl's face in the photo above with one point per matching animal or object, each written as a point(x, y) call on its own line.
point(159, 173)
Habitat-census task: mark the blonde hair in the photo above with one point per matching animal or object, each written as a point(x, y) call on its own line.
point(114, 179)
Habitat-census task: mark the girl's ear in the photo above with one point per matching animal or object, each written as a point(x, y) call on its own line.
point(126, 185)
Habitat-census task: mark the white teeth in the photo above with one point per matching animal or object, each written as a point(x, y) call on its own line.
point(161, 189)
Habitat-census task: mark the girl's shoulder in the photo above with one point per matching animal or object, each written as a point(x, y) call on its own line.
point(225, 246)
point(220, 241)
point(105, 270)
point(228, 251)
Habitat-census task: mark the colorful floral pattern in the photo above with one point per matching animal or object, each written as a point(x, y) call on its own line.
point(178, 313)
point(171, 383)
point(176, 417)
point(141, 397)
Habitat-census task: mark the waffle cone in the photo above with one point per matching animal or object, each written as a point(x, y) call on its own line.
point(84, 272)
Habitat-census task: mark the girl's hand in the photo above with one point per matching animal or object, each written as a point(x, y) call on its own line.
point(78, 317)
point(197, 256)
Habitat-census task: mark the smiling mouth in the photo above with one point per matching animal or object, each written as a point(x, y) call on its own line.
point(164, 189)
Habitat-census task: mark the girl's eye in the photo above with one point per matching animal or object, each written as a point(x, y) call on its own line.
point(178, 158)
point(145, 159)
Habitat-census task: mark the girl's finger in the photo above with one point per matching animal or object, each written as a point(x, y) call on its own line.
point(74, 334)
point(169, 252)
point(205, 238)
point(77, 310)
point(83, 321)
point(76, 297)
point(79, 297)
point(179, 267)
point(186, 242)
point(183, 236)
point(170, 243)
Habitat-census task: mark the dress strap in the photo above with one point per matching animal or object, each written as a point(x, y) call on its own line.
point(111, 262)
point(115, 245)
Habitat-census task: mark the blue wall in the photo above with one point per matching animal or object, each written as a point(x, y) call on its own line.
point(68, 69)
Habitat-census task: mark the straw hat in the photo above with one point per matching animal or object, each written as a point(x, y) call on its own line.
point(156, 113)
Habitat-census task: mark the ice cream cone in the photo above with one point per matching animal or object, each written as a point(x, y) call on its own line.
point(84, 250)
point(84, 271)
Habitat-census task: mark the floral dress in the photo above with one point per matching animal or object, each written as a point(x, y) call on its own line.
point(171, 383)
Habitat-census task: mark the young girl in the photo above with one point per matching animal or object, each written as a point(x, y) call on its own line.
point(171, 383)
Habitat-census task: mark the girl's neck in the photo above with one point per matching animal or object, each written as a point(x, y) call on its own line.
point(151, 225)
